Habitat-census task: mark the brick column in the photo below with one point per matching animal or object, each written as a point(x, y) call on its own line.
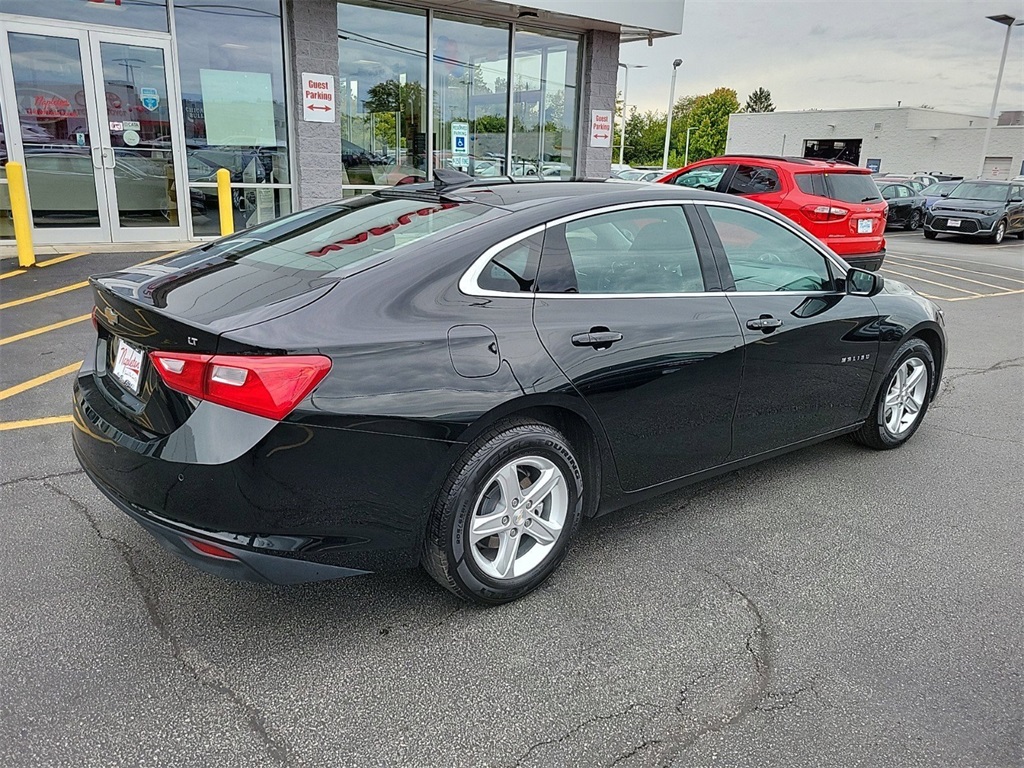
point(597, 91)
point(313, 36)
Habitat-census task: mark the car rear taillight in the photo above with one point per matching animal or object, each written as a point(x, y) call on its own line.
point(208, 549)
point(824, 212)
point(264, 386)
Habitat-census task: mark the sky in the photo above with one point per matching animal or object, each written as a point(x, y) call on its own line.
point(837, 54)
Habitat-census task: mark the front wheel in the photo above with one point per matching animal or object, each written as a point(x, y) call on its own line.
point(913, 222)
point(902, 399)
point(504, 517)
point(999, 233)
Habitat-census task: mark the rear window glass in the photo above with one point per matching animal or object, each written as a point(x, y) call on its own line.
point(976, 190)
point(812, 183)
point(344, 235)
point(852, 187)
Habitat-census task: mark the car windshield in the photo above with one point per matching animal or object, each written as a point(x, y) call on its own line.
point(979, 190)
point(345, 234)
point(937, 189)
point(852, 187)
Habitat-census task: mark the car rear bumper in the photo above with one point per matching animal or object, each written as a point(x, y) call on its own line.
point(869, 261)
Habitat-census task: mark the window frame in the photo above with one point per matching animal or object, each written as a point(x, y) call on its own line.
point(710, 251)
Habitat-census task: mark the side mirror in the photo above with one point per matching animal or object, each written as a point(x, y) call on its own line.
point(945, 194)
point(1016, 200)
point(860, 282)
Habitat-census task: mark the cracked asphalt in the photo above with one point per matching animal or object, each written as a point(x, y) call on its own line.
point(833, 607)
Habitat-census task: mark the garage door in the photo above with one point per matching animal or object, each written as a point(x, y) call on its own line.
point(996, 168)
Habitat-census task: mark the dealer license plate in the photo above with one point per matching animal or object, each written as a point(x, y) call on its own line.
point(128, 365)
point(864, 226)
point(953, 222)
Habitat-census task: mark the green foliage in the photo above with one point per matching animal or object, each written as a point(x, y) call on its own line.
point(759, 101)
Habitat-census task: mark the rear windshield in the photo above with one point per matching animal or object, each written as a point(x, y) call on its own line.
point(344, 235)
point(976, 190)
point(852, 187)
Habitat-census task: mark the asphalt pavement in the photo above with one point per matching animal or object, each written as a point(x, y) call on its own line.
point(833, 607)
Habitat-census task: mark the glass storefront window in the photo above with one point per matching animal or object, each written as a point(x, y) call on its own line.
point(137, 14)
point(382, 93)
point(471, 96)
point(231, 64)
point(6, 223)
point(544, 76)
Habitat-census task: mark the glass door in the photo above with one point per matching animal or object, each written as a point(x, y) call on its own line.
point(137, 132)
point(91, 116)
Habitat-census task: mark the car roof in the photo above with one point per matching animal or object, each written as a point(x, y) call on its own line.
point(798, 164)
point(519, 194)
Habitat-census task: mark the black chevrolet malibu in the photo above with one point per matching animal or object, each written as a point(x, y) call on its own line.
point(456, 375)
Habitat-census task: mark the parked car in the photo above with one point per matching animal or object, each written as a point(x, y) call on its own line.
point(837, 203)
point(981, 208)
point(456, 374)
point(640, 174)
point(936, 192)
point(906, 205)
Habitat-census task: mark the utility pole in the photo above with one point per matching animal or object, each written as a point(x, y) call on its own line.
point(671, 103)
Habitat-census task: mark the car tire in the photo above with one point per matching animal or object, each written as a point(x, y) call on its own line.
point(913, 222)
point(930, 235)
point(902, 400)
point(491, 542)
point(998, 233)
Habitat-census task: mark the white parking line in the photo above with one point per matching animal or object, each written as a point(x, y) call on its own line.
point(953, 277)
point(930, 282)
point(958, 261)
point(902, 259)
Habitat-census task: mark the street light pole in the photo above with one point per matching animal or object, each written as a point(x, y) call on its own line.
point(625, 102)
point(1010, 23)
point(668, 121)
point(686, 157)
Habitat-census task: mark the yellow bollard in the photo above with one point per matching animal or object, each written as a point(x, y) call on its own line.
point(227, 217)
point(17, 190)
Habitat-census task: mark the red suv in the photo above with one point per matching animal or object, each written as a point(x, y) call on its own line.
point(837, 203)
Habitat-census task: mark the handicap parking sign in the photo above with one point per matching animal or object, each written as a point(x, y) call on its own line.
point(150, 98)
point(460, 142)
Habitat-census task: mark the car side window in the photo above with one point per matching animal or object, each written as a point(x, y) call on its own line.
point(889, 192)
point(753, 180)
point(905, 191)
point(811, 184)
point(766, 256)
point(637, 251)
point(1017, 192)
point(514, 269)
point(704, 177)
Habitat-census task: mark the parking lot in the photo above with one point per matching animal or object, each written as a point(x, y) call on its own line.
point(832, 607)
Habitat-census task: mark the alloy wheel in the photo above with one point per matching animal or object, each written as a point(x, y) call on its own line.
point(905, 396)
point(518, 517)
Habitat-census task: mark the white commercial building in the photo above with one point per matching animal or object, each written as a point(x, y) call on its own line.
point(891, 139)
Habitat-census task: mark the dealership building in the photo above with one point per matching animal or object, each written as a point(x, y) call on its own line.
point(122, 111)
point(889, 139)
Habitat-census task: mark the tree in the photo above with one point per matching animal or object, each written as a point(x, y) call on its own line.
point(759, 101)
point(709, 116)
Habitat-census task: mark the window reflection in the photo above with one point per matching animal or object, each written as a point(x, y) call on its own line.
point(471, 96)
point(6, 223)
point(544, 103)
point(382, 74)
point(231, 64)
point(138, 14)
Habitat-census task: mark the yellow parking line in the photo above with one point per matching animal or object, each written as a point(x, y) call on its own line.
point(44, 329)
point(59, 259)
point(13, 273)
point(985, 295)
point(46, 295)
point(930, 282)
point(17, 389)
point(5, 425)
point(959, 269)
point(953, 277)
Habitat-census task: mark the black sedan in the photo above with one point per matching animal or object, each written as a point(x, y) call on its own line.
point(906, 205)
point(456, 375)
point(982, 209)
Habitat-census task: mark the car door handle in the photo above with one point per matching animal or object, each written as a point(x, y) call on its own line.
point(764, 323)
point(598, 339)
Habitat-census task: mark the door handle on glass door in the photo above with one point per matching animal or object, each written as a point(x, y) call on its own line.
point(764, 323)
point(93, 152)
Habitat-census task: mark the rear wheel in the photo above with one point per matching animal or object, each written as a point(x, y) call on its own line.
point(503, 519)
point(930, 235)
point(998, 233)
point(913, 222)
point(902, 399)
